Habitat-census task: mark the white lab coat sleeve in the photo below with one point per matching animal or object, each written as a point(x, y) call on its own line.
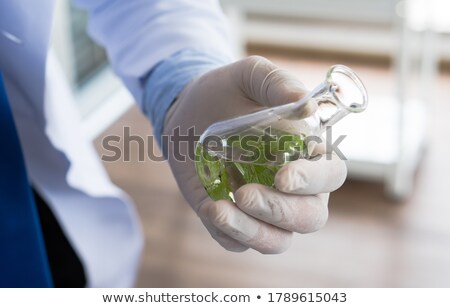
point(140, 33)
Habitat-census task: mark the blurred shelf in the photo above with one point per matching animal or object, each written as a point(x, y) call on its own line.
point(385, 143)
point(366, 11)
point(324, 37)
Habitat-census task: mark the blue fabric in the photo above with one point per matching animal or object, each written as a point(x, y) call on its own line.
point(23, 261)
point(169, 77)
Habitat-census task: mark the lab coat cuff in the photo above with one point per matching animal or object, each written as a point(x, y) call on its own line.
point(169, 77)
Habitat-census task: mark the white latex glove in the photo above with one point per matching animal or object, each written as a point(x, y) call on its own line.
point(262, 218)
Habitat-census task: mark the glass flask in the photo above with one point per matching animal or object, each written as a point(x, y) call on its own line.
point(253, 147)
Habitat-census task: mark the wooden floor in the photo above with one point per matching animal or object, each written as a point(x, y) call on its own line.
point(368, 241)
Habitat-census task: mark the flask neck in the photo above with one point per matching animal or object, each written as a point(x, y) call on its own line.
point(329, 109)
point(340, 94)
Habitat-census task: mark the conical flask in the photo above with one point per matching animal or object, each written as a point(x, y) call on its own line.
point(253, 147)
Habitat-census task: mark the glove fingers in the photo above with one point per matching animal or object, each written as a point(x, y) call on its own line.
point(265, 83)
point(223, 239)
point(310, 177)
point(296, 213)
point(247, 230)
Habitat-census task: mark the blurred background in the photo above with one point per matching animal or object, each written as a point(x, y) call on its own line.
point(389, 224)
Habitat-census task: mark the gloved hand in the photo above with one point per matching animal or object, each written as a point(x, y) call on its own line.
point(262, 218)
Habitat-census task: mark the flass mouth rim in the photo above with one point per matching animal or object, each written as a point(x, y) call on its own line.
point(346, 71)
